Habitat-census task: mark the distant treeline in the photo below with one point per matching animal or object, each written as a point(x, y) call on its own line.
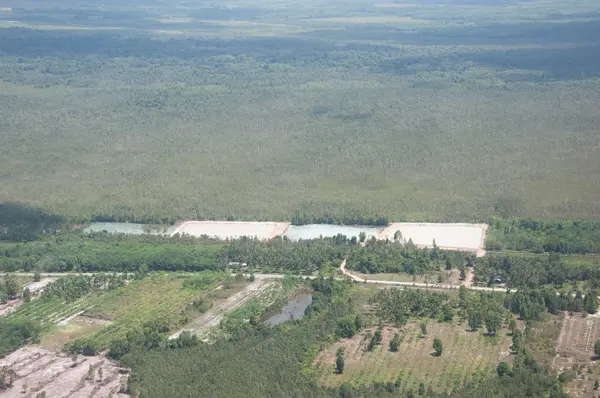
point(540, 236)
point(303, 219)
point(21, 224)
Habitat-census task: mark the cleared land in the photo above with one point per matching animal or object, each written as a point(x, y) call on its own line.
point(38, 370)
point(202, 325)
point(467, 356)
point(468, 237)
point(575, 353)
point(232, 229)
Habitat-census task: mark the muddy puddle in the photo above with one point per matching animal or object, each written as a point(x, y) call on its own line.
point(294, 309)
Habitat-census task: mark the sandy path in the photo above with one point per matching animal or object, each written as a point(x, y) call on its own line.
point(468, 282)
point(418, 284)
point(202, 325)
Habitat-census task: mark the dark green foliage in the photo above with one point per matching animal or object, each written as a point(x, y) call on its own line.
point(590, 302)
point(533, 271)
point(16, 333)
point(390, 256)
point(596, 385)
point(303, 219)
point(503, 369)
point(339, 362)
point(512, 325)
point(72, 287)
point(438, 347)
point(597, 348)
point(545, 236)
point(11, 288)
point(517, 341)
point(493, 322)
point(475, 318)
point(396, 306)
point(395, 342)
point(347, 326)
point(421, 389)
point(26, 295)
point(20, 223)
point(280, 254)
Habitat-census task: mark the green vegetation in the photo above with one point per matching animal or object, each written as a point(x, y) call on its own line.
point(438, 347)
point(387, 256)
point(517, 270)
point(273, 111)
point(539, 236)
point(16, 333)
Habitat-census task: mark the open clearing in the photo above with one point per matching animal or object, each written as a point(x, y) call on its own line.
point(36, 370)
point(468, 237)
point(467, 356)
point(575, 350)
point(232, 229)
point(202, 325)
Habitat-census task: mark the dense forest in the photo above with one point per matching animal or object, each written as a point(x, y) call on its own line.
point(541, 236)
point(530, 271)
point(387, 256)
point(357, 113)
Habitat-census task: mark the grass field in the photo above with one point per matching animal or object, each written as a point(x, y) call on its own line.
point(467, 356)
point(158, 297)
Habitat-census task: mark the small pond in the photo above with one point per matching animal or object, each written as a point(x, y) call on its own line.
point(294, 309)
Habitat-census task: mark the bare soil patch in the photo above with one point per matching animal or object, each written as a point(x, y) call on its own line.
point(58, 375)
point(460, 236)
point(575, 353)
point(77, 327)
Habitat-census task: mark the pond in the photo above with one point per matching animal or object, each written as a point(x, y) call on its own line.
point(128, 228)
point(294, 309)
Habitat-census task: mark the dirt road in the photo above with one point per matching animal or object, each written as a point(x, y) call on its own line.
point(202, 325)
point(418, 285)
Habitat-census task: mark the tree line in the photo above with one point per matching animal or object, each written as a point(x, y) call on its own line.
point(541, 236)
point(533, 271)
point(379, 256)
